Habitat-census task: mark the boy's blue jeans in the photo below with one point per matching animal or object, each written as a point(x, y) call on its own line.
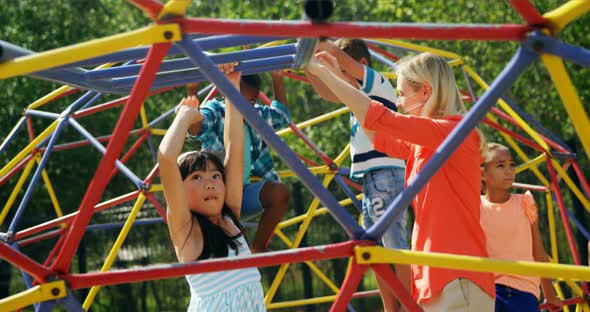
point(380, 187)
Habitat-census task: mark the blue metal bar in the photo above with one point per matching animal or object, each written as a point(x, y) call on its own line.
point(128, 173)
point(70, 302)
point(469, 85)
point(249, 71)
point(305, 50)
point(195, 75)
point(535, 123)
point(92, 101)
point(37, 113)
point(118, 225)
point(208, 43)
point(29, 192)
point(45, 306)
point(19, 125)
point(312, 183)
point(383, 59)
point(539, 42)
point(185, 63)
point(26, 277)
point(348, 192)
point(521, 60)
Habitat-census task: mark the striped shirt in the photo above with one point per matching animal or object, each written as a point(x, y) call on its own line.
point(364, 156)
point(214, 283)
point(276, 115)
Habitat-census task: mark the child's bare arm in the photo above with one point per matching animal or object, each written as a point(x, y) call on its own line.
point(192, 90)
point(278, 87)
point(233, 138)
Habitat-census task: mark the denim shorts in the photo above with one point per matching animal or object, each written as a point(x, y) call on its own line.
point(380, 187)
point(251, 205)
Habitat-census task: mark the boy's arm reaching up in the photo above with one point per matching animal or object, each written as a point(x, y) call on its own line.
point(278, 87)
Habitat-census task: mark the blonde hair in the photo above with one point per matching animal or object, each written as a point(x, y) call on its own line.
point(445, 99)
point(433, 69)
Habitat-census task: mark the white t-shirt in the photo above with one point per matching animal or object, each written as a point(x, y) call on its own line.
point(364, 156)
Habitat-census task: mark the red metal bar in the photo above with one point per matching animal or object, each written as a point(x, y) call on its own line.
point(97, 185)
point(129, 153)
point(68, 218)
point(152, 175)
point(498, 32)
point(581, 177)
point(53, 252)
point(563, 214)
point(384, 270)
point(16, 168)
point(111, 104)
point(295, 77)
point(514, 135)
point(339, 250)
point(150, 7)
point(566, 302)
point(507, 117)
point(40, 237)
point(529, 13)
point(156, 203)
point(101, 139)
point(30, 130)
point(382, 51)
point(351, 281)
point(37, 271)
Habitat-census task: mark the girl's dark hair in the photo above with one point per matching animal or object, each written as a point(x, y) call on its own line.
point(215, 239)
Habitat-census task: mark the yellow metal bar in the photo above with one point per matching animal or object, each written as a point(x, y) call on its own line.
point(49, 97)
point(569, 97)
point(44, 292)
point(274, 43)
point(50, 190)
point(565, 14)
point(531, 163)
point(116, 247)
point(366, 255)
point(573, 187)
point(156, 188)
point(552, 228)
point(298, 236)
point(316, 120)
point(302, 302)
point(559, 293)
point(314, 170)
point(144, 119)
point(158, 131)
point(310, 264)
point(174, 8)
point(345, 154)
point(318, 212)
point(417, 47)
point(509, 110)
point(78, 52)
point(16, 190)
point(28, 148)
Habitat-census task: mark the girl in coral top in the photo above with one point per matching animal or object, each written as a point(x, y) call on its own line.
point(511, 224)
point(447, 207)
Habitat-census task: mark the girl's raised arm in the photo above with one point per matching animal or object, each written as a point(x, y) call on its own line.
point(233, 138)
point(178, 213)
